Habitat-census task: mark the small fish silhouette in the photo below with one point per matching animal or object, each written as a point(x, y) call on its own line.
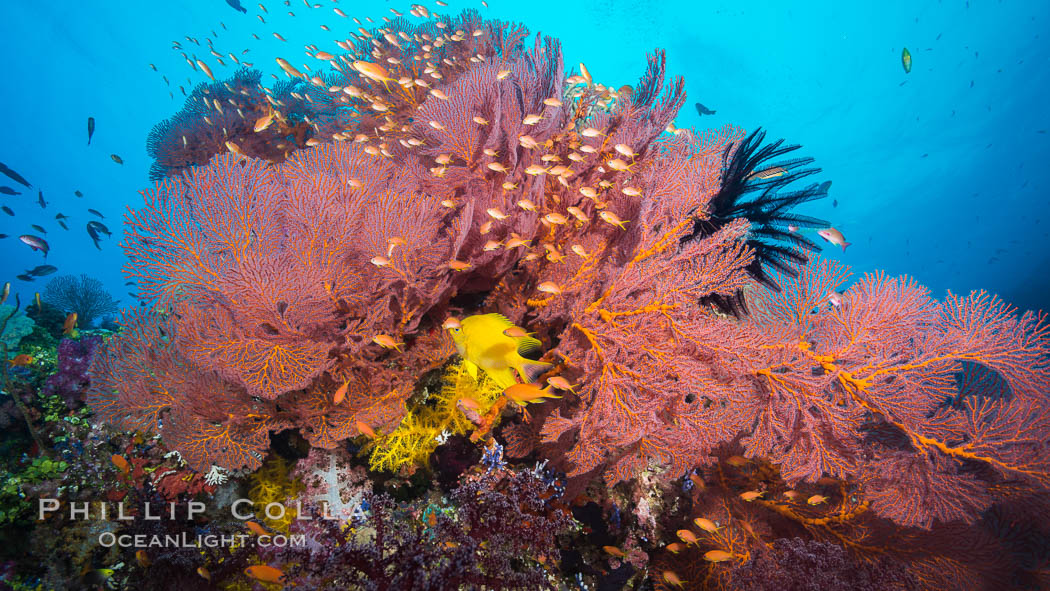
point(94, 235)
point(702, 110)
point(91, 128)
point(99, 227)
point(14, 175)
point(41, 270)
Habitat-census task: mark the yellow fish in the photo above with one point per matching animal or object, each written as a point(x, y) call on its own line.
point(481, 341)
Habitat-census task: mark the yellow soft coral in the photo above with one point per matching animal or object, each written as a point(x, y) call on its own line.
point(272, 483)
point(440, 415)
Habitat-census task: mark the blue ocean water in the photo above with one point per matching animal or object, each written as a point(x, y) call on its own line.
point(938, 174)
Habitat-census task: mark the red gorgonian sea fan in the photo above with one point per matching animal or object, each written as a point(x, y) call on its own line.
point(677, 303)
point(869, 392)
point(141, 383)
point(280, 281)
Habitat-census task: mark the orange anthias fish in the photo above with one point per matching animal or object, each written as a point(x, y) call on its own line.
point(706, 524)
point(364, 429)
point(207, 71)
point(614, 551)
point(265, 573)
point(698, 483)
point(289, 68)
point(516, 332)
point(611, 218)
point(232, 147)
point(817, 499)
point(526, 393)
point(121, 463)
point(751, 495)
point(340, 394)
point(717, 556)
point(387, 342)
point(21, 360)
point(373, 72)
point(560, 383)
point(263, 122)
point(70, 324)
point(469, 403)
point(671, 578)
point(687, 536)
point(586, 75)
point(549, 287)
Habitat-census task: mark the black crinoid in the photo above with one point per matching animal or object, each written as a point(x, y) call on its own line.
point(754, 187)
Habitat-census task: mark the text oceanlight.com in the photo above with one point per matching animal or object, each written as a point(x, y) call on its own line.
point(241, 509)
point(186, 540)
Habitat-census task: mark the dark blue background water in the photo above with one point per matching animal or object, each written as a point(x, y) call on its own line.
point(940, 173)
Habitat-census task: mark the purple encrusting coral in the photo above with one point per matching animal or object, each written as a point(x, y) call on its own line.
point(497, 530)
point(71, 378)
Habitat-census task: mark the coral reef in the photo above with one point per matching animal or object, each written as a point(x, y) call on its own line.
point(140, 376)
point(49, 321)
point(71, 378)
point(84, 295)
point(498, 531)
point(273, 484)
point(455, 409)
point(806, 565)
point(178, 567)
point(16, 325)
point(734, 411)
point(219, 112)
point(331, 483)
